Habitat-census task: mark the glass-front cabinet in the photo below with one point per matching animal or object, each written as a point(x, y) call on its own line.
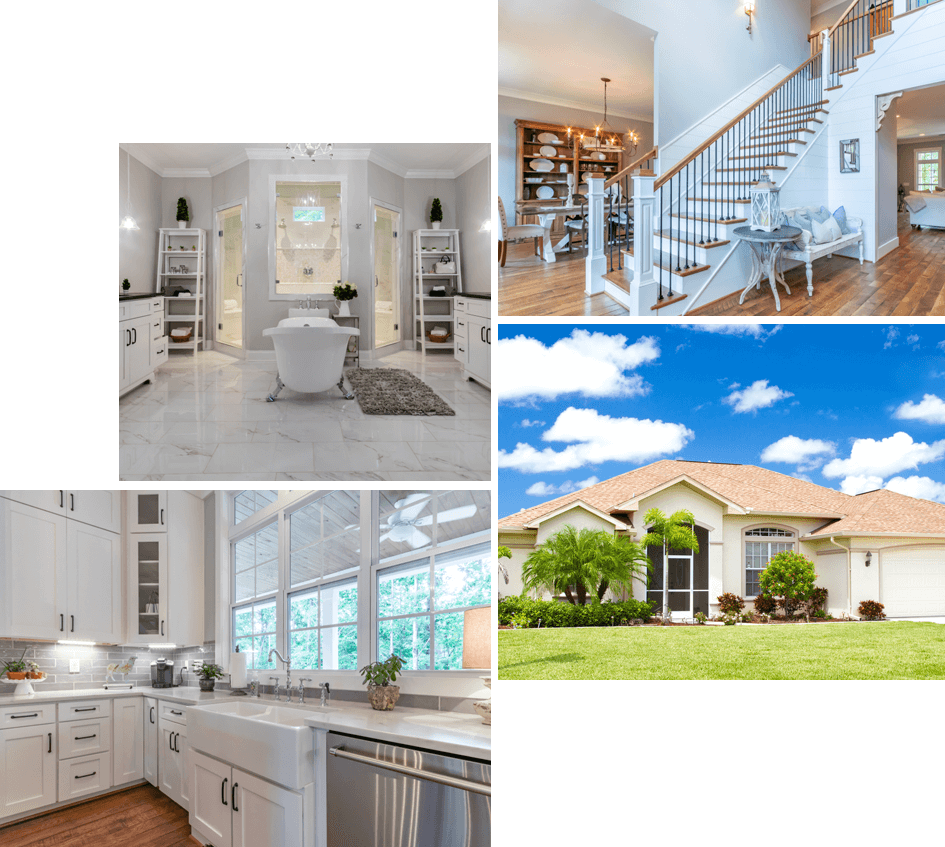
point(149, 588)
point(147, 511)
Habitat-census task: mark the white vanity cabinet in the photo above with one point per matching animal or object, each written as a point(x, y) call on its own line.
point(142, 345)
point(474, 338)
point(233, 808)
point(151, 740)
point(173, 755)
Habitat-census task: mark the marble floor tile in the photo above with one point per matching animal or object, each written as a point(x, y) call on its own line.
point(258, 458)
point(454, 456)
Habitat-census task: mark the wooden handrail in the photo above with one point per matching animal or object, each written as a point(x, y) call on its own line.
point(706, 144)
point(651, 154)
point(841, 19)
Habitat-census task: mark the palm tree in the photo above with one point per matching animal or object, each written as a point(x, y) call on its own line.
point(577, 562)
point(672, 533)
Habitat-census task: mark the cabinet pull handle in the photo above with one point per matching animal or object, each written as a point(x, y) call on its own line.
point(128, 342)
point(175, 712)
point(162, 517)
point(72, 502)
point(73, 623)
point(170, 741)
point(61, 499)
point(85, 775)
point(176, 739)
point(162, 629)
point(488, 335)
point(223, 791)
point(84, 737)
point(233, 796)
point(135, 331)
point(50, 742)
point(89, 709)
point(62, 623)
point(17, 717)
point(482, 334)
point(152, 714)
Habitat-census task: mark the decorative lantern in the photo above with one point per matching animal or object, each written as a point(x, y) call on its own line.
point(765, 205)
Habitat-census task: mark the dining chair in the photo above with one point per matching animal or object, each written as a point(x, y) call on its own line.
point(508, 233)
point(576, 224)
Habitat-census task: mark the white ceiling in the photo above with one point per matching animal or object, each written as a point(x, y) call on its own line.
point(407, 160)
point(920, 112)
point(556, 51)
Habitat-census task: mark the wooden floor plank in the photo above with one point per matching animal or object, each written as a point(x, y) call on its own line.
point(141, 816)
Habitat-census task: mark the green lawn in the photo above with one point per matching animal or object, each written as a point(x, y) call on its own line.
point(814, 651)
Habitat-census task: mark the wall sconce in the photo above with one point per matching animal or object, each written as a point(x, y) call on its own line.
point(869, 558)
point(749, 10)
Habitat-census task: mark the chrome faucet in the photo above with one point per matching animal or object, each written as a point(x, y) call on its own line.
point(326, 693)
point(288, 675)
point(302, 682)
point(275, 691)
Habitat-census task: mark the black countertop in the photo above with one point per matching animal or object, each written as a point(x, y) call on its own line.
point(123, 297)
point(477, 296)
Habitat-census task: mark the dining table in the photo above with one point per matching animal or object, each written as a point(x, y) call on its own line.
point(546, 217)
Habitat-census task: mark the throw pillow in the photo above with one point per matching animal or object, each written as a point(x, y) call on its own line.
point(827, 231)
point(803, 240)
point(841, 217)
point(915, 203)
point(820, 215)
point(801, 222)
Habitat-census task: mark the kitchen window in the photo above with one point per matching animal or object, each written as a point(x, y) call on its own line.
point(338, 579)
point(761, 543)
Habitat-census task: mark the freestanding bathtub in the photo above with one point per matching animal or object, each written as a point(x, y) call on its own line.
point(310, 354)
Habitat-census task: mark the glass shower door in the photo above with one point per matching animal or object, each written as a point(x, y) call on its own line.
point(386, 276)
point(230, 276)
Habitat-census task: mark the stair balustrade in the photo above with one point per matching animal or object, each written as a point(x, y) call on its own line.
point(618, 208)
point(853, 34)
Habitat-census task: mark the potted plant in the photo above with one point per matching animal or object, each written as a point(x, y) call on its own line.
point(436, 213)
point(33, 671)
point(125, 285)
point(344, 293)
point(182, 214)
point(208, 674)
point(15, 669)
point(378, 677)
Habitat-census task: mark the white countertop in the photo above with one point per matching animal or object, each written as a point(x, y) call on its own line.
point(453, 733)
point(445, 732)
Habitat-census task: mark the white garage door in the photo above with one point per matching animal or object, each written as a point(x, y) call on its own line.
point(913, 582)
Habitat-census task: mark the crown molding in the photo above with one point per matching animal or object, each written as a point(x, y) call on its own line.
point(133, 151)
point(431, 174)
point(187, 173)
point(387, 164)
point(226, 164)
point(570, 104)
point(474, 159)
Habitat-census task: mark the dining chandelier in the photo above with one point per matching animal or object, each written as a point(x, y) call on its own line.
point(313, 151)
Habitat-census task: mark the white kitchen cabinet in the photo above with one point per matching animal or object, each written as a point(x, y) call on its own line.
point(165, 575)
point(173, 759)
point(474, 338)
point(151, 741)
point(128, 731)
point(233, 808)
point(140, 348)
point(147, 511)
point(85, 738)
point(83, 776)
point(62, 578)
point(28, 767)
point(98, 508)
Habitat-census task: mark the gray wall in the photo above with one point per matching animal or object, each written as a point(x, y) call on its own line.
point(886, 185)
point(906, 155)
point(137, 250)
point(473, 206)
point(389, 188)
point(825, 20)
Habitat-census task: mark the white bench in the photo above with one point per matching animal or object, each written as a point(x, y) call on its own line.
point(817, 251)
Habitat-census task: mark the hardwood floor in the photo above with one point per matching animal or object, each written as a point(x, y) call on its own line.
point(909, 281)
point(138, 817)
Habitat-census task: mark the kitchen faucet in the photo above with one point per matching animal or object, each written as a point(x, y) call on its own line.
point(302, 682)
point(326, 692)
point(288, 675)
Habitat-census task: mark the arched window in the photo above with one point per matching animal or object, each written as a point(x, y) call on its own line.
point(761, 543)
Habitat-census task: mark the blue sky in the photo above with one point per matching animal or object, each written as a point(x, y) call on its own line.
point(850, 407)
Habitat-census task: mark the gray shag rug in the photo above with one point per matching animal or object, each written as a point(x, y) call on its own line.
point(394, 391)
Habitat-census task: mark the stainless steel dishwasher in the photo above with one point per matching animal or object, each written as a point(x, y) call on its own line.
point(391, 796)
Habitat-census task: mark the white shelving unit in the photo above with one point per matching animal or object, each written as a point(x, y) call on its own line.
point(184, 250)
point(432, 246)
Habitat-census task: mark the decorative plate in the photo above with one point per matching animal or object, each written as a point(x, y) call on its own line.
point(548, 151)
point(601, 156)
point(533, 179)
point(545, 192)
point(548, 138)
point(541, 165)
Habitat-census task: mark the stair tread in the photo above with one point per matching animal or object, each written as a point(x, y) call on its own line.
point(774, 143)
point(709, 220)
point(753, 168)
point(668, 301)
point(667, 263)
point(802, 108)
point(771, 134)
point(708, 245)
point(757, 155)
point(834, 88)
point(718, 200)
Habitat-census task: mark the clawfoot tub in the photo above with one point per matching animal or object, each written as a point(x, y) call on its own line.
point(310, 354)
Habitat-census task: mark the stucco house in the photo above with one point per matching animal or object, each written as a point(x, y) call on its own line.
point(875, 546)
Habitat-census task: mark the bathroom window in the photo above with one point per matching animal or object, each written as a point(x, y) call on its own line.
point(420, 606)
point(308, 226)
point(323, 630)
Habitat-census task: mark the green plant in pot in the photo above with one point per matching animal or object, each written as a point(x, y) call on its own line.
point(15, 669)
point(378, 677)
point(436, 213)
point(344, 294)
point(183, 215)
point(208, 674)
point(125, 285)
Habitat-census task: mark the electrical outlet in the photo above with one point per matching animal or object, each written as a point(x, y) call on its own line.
point(73, 665)
point(184, 666)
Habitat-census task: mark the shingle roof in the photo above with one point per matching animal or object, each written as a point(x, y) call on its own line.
point(760, 490)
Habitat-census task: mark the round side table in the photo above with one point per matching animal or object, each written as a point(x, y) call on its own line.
point(765, 249)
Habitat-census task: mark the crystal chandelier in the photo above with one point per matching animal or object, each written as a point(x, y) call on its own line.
point(313, 151)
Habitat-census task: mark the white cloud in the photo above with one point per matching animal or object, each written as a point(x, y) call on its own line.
point(543, 489)
point(749, 330)
point(594, 438)
point(914, 341)
point(592, 364)
point(527, 423)
point(891, 335)
point(859, 484)
point(758, 395)
point(807, 453)
point(872, 458)
point(918, 486)
point(931, 410)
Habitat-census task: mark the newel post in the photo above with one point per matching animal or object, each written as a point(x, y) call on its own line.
point(596, 265)
point(644, 206)
point(825, 48)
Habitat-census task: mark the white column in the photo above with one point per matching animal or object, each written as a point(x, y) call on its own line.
point(644, 204)
point(596, 265)
point(825, 61)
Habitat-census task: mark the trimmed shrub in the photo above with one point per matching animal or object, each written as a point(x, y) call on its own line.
point(552, 613)
point(816, 602)
point(791, 576)
point(729, 602)
point(700, 617)
point(765, 604)
point(871, 610)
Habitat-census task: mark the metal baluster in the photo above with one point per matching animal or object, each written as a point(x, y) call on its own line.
point(660, 253)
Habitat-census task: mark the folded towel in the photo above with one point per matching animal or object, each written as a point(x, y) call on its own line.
point(914, 203)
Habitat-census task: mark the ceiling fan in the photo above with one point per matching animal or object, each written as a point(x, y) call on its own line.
point(401, 526)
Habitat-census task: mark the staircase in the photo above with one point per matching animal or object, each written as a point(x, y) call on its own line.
point(696, 205)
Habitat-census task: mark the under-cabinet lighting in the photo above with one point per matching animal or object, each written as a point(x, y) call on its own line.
point(77, 643)
point(162, 646)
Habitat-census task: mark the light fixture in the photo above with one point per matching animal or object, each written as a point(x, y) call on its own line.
point(633, 141)
point(604, 135)
point(77, 643)
point(477, 652)
point(486, 225)
point(162, 646)
point(313, 151)
point(749, 10)
point(869, 558)
point(128, 222)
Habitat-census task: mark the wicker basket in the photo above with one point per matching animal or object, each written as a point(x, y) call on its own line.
point(180, 339)
point(439, 339)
